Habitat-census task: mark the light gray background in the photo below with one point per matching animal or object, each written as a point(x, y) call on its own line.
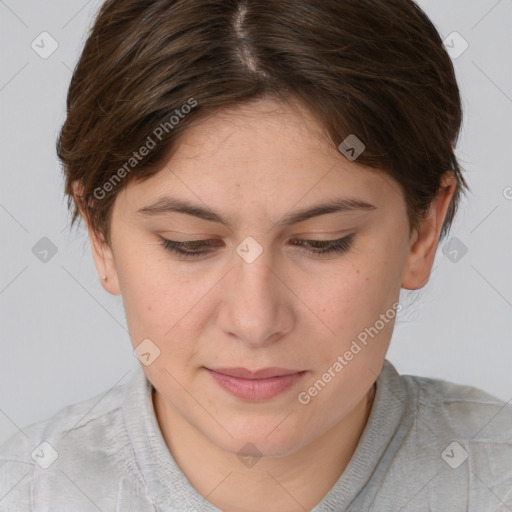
point(64, 339)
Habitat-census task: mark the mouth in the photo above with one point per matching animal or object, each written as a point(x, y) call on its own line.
point(255, 385)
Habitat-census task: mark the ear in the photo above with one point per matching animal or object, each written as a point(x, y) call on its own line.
point(101, 252)
point(425, 239)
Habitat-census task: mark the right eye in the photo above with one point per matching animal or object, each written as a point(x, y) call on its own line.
point(187, 249)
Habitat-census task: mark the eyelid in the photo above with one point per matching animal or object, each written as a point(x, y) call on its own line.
point(330, 247)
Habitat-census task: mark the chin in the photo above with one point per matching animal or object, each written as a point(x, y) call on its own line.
point(262, 439)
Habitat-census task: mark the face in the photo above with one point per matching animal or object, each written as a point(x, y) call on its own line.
point(255, 285)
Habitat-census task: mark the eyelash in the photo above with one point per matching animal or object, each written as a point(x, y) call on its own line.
point(340, 245)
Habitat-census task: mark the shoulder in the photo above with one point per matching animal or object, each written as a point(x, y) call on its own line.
point(463, 411)
point(55, 455)
point(463, 436)
point(86, 416)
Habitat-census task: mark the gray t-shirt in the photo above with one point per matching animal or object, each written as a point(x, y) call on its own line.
point(429, 445)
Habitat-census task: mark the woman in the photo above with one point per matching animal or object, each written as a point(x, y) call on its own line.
point(259, 180)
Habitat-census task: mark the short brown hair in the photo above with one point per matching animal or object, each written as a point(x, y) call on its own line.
point(377, 69)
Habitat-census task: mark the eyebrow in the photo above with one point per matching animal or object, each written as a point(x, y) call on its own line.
point(167, 205)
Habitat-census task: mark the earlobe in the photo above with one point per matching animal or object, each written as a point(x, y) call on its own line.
point(425, 239)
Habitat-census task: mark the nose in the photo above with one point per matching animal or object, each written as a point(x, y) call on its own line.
point(256, 304)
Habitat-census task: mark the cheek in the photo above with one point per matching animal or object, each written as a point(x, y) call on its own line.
point(151, 296)
point(167, 308)
point(352, 300)
point(343, 293)
point(155, 308)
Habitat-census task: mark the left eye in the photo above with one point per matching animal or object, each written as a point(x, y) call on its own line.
point(197, 248)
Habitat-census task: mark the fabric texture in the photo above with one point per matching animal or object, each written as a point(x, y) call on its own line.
point(429, 445)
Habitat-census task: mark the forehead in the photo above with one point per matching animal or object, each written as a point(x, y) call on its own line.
point(266, 153)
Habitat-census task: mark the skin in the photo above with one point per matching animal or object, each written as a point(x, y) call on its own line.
point(255, 164)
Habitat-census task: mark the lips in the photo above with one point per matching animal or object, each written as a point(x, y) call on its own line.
point(263, 373)
point(255, 385)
